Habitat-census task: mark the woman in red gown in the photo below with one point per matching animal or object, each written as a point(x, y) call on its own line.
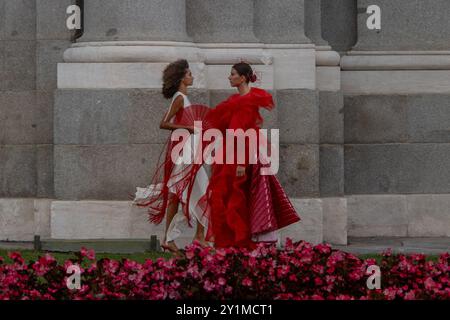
point(240, 203)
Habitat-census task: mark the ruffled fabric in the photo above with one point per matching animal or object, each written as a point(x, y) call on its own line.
point(236, 208)
point(241, 111)
point(178, 179)
point(235, 213)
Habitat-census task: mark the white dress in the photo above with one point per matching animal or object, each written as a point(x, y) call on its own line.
point(179, 221)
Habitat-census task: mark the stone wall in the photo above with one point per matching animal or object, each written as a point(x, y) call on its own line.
point(363, 138)
point(396, 121)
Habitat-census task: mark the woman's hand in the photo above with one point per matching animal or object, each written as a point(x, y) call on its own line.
point(240, 171)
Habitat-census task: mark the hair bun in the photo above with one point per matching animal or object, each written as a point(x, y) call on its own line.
point(252, 77)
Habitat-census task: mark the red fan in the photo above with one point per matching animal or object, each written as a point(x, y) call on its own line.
point(195, 112)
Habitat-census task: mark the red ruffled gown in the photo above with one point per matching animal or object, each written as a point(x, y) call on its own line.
point(239, 208)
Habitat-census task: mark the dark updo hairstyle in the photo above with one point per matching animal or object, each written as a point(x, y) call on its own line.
point(244, 69)
point(172, 76)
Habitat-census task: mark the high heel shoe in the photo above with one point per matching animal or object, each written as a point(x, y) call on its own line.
point(171, 248)
point(201, 244)
point(166, 247)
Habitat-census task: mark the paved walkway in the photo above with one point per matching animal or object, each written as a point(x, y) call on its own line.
point(16, 245)
point(400, 245)
point(434, 246)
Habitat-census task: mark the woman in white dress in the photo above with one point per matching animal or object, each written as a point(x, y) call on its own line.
point(169, 187)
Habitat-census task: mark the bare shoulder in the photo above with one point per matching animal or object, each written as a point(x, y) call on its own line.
point(178, 102)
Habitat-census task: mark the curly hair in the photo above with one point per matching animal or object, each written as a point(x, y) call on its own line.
point(244, 69)
point(173, 74)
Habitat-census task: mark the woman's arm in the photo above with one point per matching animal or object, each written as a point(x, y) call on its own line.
point(165, 124)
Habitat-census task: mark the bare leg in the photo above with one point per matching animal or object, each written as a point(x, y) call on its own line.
point(172, 210)
point(200, 234)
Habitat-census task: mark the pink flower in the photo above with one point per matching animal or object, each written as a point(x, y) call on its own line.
point(289, 244)
point(337, 256)
point(175, 284)
point(387, 252)
point(209, 286)
point(318, 268)
point(130, 265)
point(283, 271)
point(193, 271)
point(355, 275)
point(252, 262)
point(207, 260)
point(220, 255)
point(222, 281)
point(228, 290)
point(247, 282)
point(323, 248)
point(190, 254)
point(344, 297)
point(111, 266)
point(335, 275)
point(430, 284)
point(89, 254)
point(16, 257)
point(306, 259)
point(390, 293)
point(39, 268)
point(92, 268)
point(410, 295)
point(318, 281)
point(370, 262)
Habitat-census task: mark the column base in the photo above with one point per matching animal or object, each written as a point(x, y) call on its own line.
point(396, 72)
point(323, 219)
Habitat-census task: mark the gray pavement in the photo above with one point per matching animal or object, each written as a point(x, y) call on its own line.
point(433, 246)
point(399, 245)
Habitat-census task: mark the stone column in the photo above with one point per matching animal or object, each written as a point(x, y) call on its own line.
point(135, 20)
point(123, 32)
point(339, 24)
point(405, 26)
point(224, 32)
point(216, 21)
point(32, 39)
point(273, 19)
point(25, 132)
point(313, 26)
point(397, 86)
point(297, 109)
point(107, 111)
point(331, 128)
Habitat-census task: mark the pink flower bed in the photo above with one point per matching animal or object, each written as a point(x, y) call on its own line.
point(300, 271)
